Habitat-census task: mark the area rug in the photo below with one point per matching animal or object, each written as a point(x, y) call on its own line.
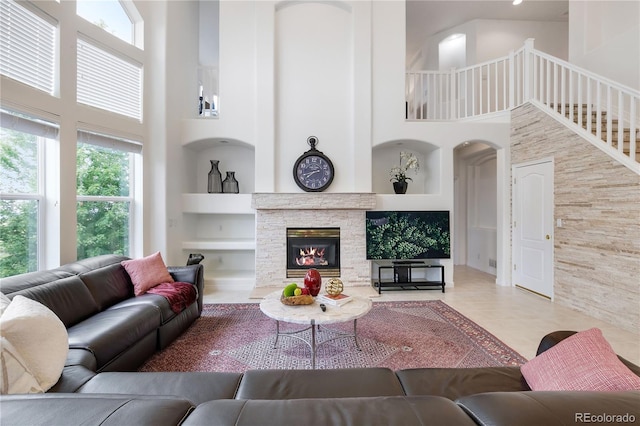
point(397, 335)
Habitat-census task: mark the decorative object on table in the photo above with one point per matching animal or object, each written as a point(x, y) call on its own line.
point(214, 185)
point(293, 295)
point(335, 300)
point(399, 173)
point(230, 184)
point(334, 287)
point(313, 171)
point(303, 299)
point(313, 281)
point(194, 258)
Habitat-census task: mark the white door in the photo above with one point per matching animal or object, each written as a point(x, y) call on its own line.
point(533, 227)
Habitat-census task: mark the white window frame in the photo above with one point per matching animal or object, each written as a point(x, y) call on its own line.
point(135, 177)
point(43, 192)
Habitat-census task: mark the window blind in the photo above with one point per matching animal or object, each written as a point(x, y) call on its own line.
point(111, 142)
point(27, 46)
point(20, 123)
point(109, 82)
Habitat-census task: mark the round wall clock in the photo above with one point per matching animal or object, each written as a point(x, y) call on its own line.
point(313, 171)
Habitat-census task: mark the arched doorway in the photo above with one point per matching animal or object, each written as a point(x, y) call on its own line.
point(476, 206)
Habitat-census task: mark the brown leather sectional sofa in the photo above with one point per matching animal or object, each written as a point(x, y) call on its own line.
point(92, 391)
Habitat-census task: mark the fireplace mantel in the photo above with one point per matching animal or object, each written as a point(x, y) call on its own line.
point(313, 201)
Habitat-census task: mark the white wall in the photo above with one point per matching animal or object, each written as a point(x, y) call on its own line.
point(605, 39)
point(314, 87)
point(171, 167)
point(490, 39)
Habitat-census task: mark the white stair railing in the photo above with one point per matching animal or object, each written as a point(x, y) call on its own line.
point(594, 106)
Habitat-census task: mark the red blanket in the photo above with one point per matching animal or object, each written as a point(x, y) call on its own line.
point(179, 294)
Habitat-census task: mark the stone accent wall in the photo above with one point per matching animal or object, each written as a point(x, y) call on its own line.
point(597, 249)
point(278, 211)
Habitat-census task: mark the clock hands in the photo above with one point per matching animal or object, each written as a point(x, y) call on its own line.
point(306, 175)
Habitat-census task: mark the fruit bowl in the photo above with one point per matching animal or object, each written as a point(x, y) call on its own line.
point(303, 299)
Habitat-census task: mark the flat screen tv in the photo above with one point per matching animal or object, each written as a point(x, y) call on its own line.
point(408, 235)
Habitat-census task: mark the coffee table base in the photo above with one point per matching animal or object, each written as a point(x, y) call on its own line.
point(313, 343)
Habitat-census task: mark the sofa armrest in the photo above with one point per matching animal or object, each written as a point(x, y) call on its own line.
point(553, 338)
point(193, 274)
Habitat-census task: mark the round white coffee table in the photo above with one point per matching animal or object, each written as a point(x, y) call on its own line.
point(313, 316)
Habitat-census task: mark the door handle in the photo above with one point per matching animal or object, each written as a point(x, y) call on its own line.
point(548, 237)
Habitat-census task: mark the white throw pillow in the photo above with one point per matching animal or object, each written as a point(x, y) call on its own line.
point(39, 336)
point(4, 302)
point(15, 376)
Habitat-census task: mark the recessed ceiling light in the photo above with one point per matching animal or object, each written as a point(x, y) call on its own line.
point(516, 2)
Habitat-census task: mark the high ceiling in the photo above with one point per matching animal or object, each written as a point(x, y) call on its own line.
point(427, 17)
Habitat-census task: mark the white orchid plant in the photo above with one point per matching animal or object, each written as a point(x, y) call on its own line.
point(399, 173)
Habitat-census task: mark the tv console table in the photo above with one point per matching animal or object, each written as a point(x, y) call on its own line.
point(403, 276)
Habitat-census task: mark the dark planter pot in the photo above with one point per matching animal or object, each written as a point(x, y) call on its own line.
point(400, 187)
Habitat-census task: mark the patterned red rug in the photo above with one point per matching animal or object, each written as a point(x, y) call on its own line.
point(239, 337)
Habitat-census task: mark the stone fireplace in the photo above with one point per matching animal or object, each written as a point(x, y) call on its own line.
point(278, 213)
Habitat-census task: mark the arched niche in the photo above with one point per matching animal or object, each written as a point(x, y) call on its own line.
point(386, 155)
point(233, 155)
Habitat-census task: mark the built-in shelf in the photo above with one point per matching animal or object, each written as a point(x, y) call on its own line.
point(217, 203)
point(235, 244)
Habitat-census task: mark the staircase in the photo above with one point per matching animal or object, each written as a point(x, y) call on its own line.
point(598, 109)
point(610, 128)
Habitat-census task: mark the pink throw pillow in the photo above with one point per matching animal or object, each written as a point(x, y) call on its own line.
point(582, 362)
point(147, 272)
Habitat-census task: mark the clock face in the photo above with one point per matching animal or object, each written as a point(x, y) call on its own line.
point(313, 172)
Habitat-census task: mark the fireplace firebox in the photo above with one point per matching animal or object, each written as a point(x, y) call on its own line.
point(317, 248)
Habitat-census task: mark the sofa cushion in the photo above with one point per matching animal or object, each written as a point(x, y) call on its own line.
point(110, 332)
point(453, 383)
point(108, 285)
point(67, 297)
point(394, 410)
point(197, 387)
point(582, 362)
point(72, 378)
point(147, 272)
point(40, 338)
point(11, 285)
point(336, 383)
point(104, 410)
point(155, 300)
point(92, 263)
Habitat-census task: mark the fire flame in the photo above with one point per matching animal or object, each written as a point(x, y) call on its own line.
point(311, 256)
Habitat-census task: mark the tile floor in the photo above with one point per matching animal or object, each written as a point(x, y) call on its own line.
point(515, 316)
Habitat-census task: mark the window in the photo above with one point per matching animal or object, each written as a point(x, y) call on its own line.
point(105, 200)
point(109, 82)
point(27, 46)
point(108, 15)
point(22, 141)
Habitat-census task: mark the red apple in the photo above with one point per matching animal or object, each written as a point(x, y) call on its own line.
point(305, 291)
